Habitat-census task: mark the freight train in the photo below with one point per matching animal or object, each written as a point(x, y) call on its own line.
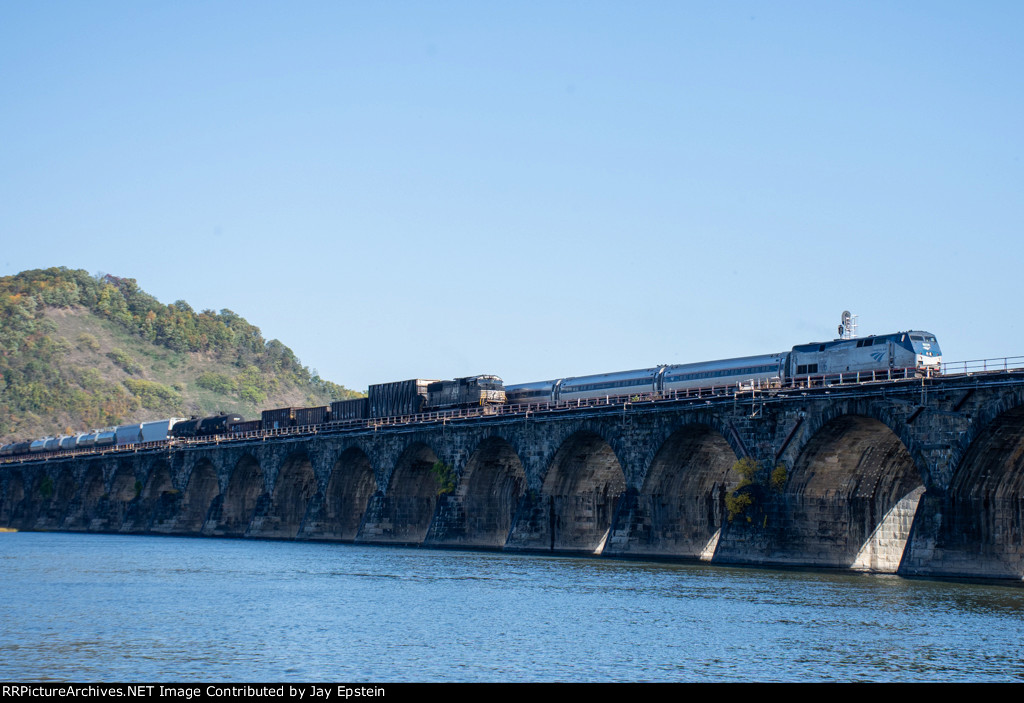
point(903, 353)
point(395, 399)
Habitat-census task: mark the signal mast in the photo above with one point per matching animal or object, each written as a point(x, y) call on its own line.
point(848, 326)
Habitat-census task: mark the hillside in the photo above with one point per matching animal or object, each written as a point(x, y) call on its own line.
point(79, 352)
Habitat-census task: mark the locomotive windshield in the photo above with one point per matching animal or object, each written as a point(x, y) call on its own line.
point(925, 344)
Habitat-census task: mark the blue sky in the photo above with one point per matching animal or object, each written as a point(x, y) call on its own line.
point(536, 190)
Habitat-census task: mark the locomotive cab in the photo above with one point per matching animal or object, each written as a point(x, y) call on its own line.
point(926, 349)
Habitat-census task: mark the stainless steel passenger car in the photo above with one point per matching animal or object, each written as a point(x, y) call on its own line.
point(535, 392)
point(745, 371)
point(608, 384)
point(760, 371)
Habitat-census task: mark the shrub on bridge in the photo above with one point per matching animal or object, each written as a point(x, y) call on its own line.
point(445, 477)
point(46, 488)
point(756, 484)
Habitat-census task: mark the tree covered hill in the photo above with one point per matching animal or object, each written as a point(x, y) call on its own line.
point(79, 352)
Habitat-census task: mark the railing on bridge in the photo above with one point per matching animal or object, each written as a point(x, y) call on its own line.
point(1006, 363)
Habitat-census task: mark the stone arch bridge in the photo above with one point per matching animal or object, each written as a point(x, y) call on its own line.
point(917, 477)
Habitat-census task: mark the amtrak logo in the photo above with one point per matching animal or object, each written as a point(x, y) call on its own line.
point(878, 356)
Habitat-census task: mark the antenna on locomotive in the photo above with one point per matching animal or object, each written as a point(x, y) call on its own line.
point(848, 326)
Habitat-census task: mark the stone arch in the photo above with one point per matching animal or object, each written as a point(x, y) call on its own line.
point(682, 500)
point(14, 495)
point(156, 501)
point(56, 509)
point(867, 410)
point(351, 484)
point(582, 488)
point(123, 485)
point(609, 431)
point(200, 492)
point(491, 488)
point(36, 494)
point(711, 422)
point(85, 505)
point(246, 490)
point(410, 500)
point(983, 517)
point(982, 417)
point(158, 482)
point(851, 497)
point(293, 490)
point(112, 510)
point(65, 487)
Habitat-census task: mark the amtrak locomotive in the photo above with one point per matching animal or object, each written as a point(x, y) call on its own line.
point(909, 353)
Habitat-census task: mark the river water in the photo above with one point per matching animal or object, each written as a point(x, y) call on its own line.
point(130, 608)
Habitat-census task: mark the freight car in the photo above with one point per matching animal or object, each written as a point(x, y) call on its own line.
point(353, 409)
point(207, 426)
point(398, 398)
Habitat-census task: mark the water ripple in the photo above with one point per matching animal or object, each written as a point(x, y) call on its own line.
point(109, 607)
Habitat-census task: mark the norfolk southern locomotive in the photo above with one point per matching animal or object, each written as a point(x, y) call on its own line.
point(896, 355)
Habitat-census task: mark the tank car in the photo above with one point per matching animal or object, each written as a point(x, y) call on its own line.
point(218, 424)
point(205, 427)
point(186, 428)
point(85, 440)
